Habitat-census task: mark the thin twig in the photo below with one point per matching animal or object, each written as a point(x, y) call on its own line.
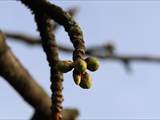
point(64, 19)
point(30, 40)
point(44, 10)
point(50, 48)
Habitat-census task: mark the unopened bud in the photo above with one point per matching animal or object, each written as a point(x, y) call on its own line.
point(86, 81)
point(64, 66)
point(80, 65)
point(76, 77)
point(92, 63)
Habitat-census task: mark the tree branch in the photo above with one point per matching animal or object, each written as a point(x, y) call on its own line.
point(50, 48)
point(72, 11)
point(19, 78)
point(43, 11)
point(62, 18)
point(30, 40)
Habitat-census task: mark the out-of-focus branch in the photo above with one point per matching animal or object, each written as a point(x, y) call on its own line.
point(68, 114)
point(28, 39)
point(31, 40)
point(18, 77)
point(23, 38)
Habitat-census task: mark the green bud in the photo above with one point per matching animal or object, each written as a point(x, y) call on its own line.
point(80, 65)
point(76, 77)
point(86, 81)
point(64, 66)
point(92, 63)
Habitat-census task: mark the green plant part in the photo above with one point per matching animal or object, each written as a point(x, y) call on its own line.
point(86, 81)
point(76, 77)
point(64, 66)
point(92, 63)
point(80, 65)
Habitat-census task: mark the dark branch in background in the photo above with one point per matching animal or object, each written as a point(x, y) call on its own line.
point(90, 51)
point(18, 77)
point(34, 41)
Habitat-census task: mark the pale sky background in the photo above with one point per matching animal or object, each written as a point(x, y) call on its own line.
point(134, 26)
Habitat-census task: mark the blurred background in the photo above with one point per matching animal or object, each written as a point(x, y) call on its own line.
point(134, 27)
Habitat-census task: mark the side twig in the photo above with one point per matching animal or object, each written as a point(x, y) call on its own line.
point(30, 40)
